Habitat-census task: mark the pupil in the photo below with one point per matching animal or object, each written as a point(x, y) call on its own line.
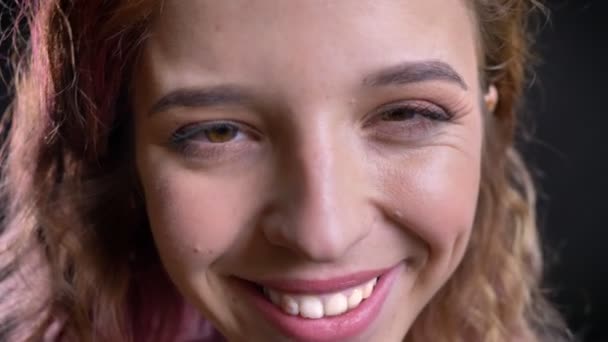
point(400, 114)
point(221, 133)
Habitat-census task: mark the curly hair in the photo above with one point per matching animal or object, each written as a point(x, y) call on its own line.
point(75, 246)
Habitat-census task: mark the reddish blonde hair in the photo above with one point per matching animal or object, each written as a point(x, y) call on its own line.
point(74, 217)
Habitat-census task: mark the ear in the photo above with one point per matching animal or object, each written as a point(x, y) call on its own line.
point(491, 98)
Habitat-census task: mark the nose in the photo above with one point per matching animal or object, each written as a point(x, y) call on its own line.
point(320, 207)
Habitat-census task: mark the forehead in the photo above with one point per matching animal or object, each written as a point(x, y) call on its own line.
point(278, 39)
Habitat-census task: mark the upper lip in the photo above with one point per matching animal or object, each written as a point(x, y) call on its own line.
point(302, 286)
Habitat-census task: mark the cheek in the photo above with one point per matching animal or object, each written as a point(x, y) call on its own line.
point(195, 219)
point(448, 189)
point(435, 193)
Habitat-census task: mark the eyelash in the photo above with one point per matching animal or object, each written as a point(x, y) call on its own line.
point(423, 109)
point(420, 118)
point(188, 139)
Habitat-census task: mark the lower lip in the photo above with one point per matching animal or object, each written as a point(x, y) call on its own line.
point(335, 328)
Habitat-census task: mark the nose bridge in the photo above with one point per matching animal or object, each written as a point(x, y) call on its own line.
point(320, 197)
point(318, 202)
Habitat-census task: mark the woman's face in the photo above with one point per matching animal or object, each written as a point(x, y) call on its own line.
point(295, 153)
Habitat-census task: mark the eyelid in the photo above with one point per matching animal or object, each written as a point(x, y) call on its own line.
point(422, 120)
point(199, 150)
point(184, 133)
point(420, 106)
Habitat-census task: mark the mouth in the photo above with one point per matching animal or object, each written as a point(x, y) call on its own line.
point(319, 305)
point(321, 311)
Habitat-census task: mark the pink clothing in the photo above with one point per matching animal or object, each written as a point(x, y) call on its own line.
point(158, 314)
point(161, 314)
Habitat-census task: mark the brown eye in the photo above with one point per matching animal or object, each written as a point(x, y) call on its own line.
point(210, 133)
point(215, 140)
point(220, 133)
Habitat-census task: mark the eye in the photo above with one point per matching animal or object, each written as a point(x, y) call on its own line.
point(213, 140)
point(408, 120)
point(214, 133)
point(220, 133)
point(409, 111)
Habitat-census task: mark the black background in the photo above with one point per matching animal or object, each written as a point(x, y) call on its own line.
point(568, 104)
point(566, 107)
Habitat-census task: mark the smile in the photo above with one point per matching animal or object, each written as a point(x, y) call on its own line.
point(315, 306)
point(323, 310)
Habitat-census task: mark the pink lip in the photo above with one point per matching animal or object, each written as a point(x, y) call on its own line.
point(296, 286)
point(336, 328)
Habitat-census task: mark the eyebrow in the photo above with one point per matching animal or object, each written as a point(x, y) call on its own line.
point(401, 74)
point(413, 72)
point(202, 97)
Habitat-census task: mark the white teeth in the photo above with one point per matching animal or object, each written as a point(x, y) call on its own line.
point(355, 298)
point(321, 305)
point(311, 307)
point(369, 287)
point(290, 305)
point(337, 304)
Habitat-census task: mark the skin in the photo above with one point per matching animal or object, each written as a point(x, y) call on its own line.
point(318, 184)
